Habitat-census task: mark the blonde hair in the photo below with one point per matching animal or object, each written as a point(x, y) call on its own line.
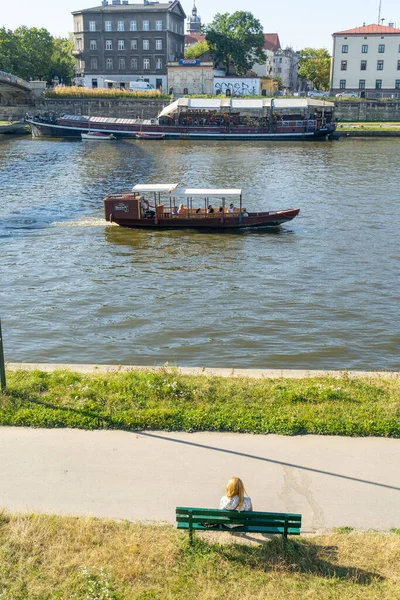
point(235, 487)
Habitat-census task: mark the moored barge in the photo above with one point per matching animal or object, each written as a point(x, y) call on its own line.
point(208, 119)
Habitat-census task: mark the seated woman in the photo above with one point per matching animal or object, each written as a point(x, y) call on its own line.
point(198, 211)
point(231, 208)
point(210, 209)
point(181, 210)
point(235, 496)
point(175, 210)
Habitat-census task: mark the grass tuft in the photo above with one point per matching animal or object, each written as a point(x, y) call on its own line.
point(165, 400)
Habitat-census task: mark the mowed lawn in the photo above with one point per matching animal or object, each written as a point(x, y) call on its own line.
point(65, 558)
point(168, 401)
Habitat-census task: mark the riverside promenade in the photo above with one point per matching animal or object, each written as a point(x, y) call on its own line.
point(142, 476)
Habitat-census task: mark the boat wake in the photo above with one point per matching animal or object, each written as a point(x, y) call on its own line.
point(83, 222)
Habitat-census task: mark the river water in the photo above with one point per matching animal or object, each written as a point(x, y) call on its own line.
point(323, 292)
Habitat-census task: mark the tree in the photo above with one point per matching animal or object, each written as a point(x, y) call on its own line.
point(197, 49)
point(7, 50)
point(62, 63)
point(315, 66)
point(34, 52)
point(237, 40)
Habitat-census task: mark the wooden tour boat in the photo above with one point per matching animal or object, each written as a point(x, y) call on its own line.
point(196, 209)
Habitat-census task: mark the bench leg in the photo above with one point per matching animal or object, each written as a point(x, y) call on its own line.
point(284, 542)
point(191, 536)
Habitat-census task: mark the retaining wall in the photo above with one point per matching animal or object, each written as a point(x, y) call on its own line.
point(123, 109)
point(370, 110)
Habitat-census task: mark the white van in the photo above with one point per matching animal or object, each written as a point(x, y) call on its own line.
point(142, 86)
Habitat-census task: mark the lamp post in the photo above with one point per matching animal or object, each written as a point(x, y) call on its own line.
point(2, 366)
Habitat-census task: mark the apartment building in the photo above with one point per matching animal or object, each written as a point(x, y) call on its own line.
point(117, 43)
point(366, 60)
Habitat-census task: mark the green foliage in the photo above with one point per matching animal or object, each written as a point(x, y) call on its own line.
point(167, 401)
point(237, 40)
point(314, 66)
point(31, 52)
point(279, 81)
point(345, 530)
point(196, 50)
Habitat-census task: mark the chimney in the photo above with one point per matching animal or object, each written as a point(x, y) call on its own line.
point(104, 3)
point(391, 24)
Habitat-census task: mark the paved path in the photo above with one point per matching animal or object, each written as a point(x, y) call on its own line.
point(220, 372)
point(332, 481)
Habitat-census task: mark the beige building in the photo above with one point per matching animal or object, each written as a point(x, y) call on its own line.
point(191, 76)
point(366, 60)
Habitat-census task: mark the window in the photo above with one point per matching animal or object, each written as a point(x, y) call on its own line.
point(342, 84)
point(159, 45)
point(121, 64)
point(379, 65)
point(133, 26)
point(361, 84)
point(399, 47)
point(133, 64)
point(108, 44)
point(345, 49)
point(108, 26)
point(94, 83)
point(364, 48)
point(93, 44)
point(398, 65)
point(146, 26)
point(93, 64)
point(121, 26)
point(146, 45)
point(109, 64)
point(378, 84)
point(381, 48)
point(397, 85)
point(92, 25)
point(158, 25)
point(133, 44)
point(343, 65)
point(363, 65)
point(158, 63)
point(146, 64)
point(121, 44)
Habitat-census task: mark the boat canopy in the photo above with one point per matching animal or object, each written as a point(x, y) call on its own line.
point(166, 188)
point(207, 192)
point(249, 103)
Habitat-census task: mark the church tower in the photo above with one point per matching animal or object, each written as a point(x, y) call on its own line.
point(193, 23)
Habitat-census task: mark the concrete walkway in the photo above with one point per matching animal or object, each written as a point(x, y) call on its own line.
point(143, 476)
point(220, 372)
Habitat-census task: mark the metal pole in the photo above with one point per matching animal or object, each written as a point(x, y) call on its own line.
point(2, 366)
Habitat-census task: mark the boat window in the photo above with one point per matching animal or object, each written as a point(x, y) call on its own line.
point(299, 123)
point(285, 123)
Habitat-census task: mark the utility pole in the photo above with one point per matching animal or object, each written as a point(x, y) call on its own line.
point(2, 366)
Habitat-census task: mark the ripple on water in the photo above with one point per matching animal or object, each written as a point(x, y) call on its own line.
point(323, 292)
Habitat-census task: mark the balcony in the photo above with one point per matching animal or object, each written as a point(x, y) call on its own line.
point(78, 53)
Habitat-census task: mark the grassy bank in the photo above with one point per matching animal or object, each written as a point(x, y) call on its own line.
point(168, 401)
point(369, 126)
point(47, 558)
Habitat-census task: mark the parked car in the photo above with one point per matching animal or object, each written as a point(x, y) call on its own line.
point(347, 95)
point(318, 94)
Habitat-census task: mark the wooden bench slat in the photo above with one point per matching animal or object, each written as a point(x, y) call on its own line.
point(235, 520)
point(241, 528)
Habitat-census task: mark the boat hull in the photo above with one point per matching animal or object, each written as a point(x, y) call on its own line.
point(40, 129)
point(253, 221)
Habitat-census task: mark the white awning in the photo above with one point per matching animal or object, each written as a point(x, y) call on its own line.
point(300, 103)
point(209, 192)
point(165, 188)
point(171, 108)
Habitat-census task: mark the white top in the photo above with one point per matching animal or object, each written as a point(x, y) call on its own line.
point(232, 503)
point(217, 192)
point(165, 187)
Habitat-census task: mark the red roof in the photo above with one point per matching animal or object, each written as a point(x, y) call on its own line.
point(369, 29)
point(192, 38)
point(271, 41)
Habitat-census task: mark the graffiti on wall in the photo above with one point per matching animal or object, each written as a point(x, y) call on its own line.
point(246, 86)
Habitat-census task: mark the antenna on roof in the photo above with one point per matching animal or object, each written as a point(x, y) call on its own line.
point(379, 12)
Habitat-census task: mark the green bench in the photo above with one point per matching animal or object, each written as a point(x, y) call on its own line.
point(206, 519)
